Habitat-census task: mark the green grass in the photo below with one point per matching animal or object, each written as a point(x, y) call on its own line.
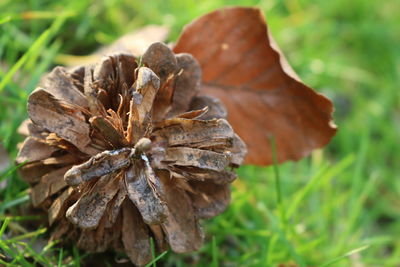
point(339, 207)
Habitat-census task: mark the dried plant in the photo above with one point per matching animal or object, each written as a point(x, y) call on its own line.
point(128, 149)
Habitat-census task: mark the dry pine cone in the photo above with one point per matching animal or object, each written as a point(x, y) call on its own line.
point(120, 152)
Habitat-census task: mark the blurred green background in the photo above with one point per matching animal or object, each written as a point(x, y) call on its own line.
point(341, 206)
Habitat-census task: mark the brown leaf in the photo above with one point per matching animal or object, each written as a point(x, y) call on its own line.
point(47, 112)
point(243, 67)
point(181, 226)
point(88, 210)
point(135, 235)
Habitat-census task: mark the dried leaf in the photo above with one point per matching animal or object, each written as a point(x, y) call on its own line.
point(47, 112)
point(135, 235)
point(244, 69)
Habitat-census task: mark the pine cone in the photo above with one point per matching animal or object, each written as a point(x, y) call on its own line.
point(122, 151)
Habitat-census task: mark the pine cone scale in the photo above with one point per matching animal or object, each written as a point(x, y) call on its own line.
point(209, 199)
point(181, 226)
point(61, 85)
point(135, 237)
point(89, 209)
point(49, 185)
point(149, 203)
point(48, 113)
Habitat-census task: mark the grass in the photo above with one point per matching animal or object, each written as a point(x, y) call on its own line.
point(339, 207)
